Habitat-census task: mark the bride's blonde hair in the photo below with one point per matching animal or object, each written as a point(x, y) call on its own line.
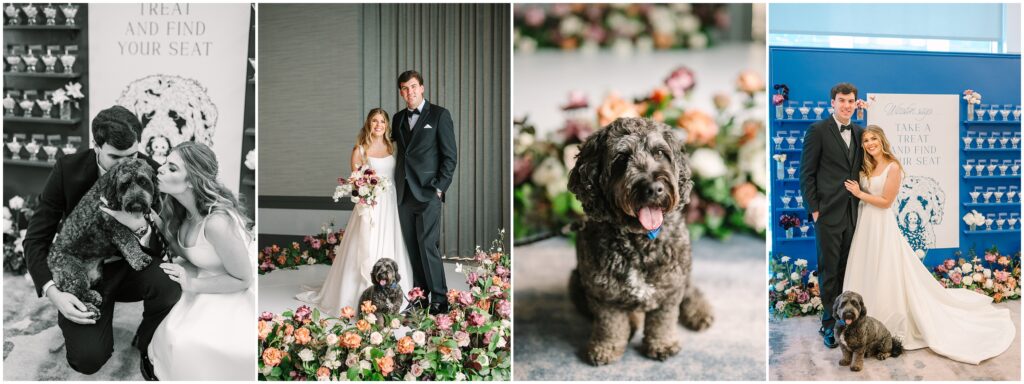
point(366, 134)
point(869, 165)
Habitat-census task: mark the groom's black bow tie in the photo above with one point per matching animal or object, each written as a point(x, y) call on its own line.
point(414, 111)
point(845, 128)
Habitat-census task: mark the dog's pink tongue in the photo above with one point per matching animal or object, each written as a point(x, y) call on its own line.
point(650, 217)
point(382, 282)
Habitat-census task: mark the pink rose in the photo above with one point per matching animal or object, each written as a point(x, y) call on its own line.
point(465, 298)
point(444, 322)
point(416, 293)
point(475, 319)
point(955, 277)
point(950, 263)
point(503, 308)
point(472, 277)
point(680, 81)
point(316, 244)
point(990, 257)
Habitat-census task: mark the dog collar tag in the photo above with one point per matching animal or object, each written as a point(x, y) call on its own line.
point(653, 234)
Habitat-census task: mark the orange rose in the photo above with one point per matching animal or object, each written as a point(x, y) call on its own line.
point(272, 357)
point(348, 312)
point(495, 280)
point(484, 305)
point(751, 128)
point(275, 249)
point(265, 329)
point(363, 325)
point(997, 297)
point(281, 260)
point(386, 364)
point(659, 95)
point(569, 44)
point(406, 345)
point(302, 336)
point(743, 193)
point(700, 128)
point(350, 340)
point(367, 307)
point(444, 350)
point(323, 372)
point(298, 260)
point(664, 40)
point(613, 108)
point(750, 82)
point(721, 100)
point(288, 329)
point(453, 295)
point(295, 246)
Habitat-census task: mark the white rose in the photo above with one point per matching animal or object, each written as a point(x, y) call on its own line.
point(306, 354)
point(569, 155)
point(801, 262)
point(780, 305)
point(548, 171)
point(356, 174)
point(556, 188)
point(376, 338)
point(571, 26)
point(7, 213)
point(688, 23)
point(16, 203)
point(751, 160)
point(355, 200)
point(780, 286)
point(395, 323)
point(250, 159)
point(785, 259)
point(756, 213)
point(364, 190)
point(977, 277)
point(409, 377)
point(419, 337)
point(968, 280)
point(698, 40)
point(459, 376)
point(364, 365)
point(966, 268)
point(794, 276)
point(372, 318)
point(988, 273)
point(501, 342)
point(707, 163)
point(816, 301)
point(266, 370)
point(804, 308)
point(523, 141)
point(780, 275)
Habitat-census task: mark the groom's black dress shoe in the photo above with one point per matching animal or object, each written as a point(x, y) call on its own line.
point(146, 367)
point(830, 338)
point(821, 331)
point(438, 308)
point(419, 304)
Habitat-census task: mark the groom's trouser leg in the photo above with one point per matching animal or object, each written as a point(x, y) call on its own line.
point(89, 346)
point(833, 249)
point(407, 218)
point(428, 227)
point(158, 294)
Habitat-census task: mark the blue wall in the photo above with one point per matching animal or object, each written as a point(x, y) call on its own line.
point(811, 72)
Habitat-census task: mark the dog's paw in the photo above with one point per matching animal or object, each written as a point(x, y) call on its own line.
point(661, 350)
point(93, 297)
point(883, 356)
point(140, 262)
point(844, 362)
point(602, 354)
point(695, 313)
point(856, 367)
point(89, 307)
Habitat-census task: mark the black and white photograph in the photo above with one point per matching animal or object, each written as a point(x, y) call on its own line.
point(129, 241)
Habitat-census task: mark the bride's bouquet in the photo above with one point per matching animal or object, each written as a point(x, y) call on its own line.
point(363, 187)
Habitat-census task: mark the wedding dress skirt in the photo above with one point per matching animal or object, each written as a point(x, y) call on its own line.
point(899, 291)
point(371, 234)
point(207, 336)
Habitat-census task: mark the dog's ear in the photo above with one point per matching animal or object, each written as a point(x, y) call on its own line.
point(585, 177)
point(682, 162)
point(836, 303)
point(863, 308)
point(108, 188)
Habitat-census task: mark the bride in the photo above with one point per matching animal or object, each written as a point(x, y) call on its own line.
point(206, 336)
point(957, 323)
point(369, 236)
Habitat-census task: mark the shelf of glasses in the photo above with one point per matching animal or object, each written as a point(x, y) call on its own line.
point(788, 150)
point(996, 177)
point(991, 205)
point(789, 180)
point(990, 122)
point(981, 231)
point(796, 237)
point(43, 27)
point(812, 120)
point(28, 163)
point(41, 120)
point(43, 75)
point(991, 149)
point(791, 209)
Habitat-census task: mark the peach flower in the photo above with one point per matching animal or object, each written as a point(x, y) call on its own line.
point(750, 82)
point(367, 307)
point(350, 340)
point(363, 325)
point(386, 364)
point(323, 373)
point(743, 193)
point(288, 329)
point(614, 107)
point(272, 356)
point(302, 336)
point(264, 329)
point(348, 312)
point(700, 128)
point(406, 345)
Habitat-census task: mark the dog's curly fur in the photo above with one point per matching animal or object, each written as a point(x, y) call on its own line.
point(622, 276)
point(385, 293)
point(860, 334)
point(89, 236)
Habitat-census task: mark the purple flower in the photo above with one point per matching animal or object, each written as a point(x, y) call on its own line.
point(302, 314)
point(802, 297)
point(266, 316)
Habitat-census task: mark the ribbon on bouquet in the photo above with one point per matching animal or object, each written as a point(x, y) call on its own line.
point(365, 212)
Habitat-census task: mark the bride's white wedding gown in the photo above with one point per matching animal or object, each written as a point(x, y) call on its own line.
point(369, 236)
point(207, 336)
point(899, 291)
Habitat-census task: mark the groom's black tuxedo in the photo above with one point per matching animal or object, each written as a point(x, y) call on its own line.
point(426, 159)
point(827, 162)
point(89, 346)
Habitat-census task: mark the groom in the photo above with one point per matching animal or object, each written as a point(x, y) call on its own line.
point(89, 343)
point(831, 155)
point(426, 162)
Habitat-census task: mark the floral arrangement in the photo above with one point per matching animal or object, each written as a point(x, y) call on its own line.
point(792, 289)
point(72, 92)
point(726, 149)
point(974, 219)
point(250, 159)
point(471, 342)
point(781, 94)
point(363, 187)
point(789, 221)
point(314, 249)
point(621, 27)
point(972, 97)
point(996, 275)
point(14, 236)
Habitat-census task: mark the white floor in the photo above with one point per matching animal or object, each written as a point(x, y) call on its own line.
point(544, 79)
point(277, 289)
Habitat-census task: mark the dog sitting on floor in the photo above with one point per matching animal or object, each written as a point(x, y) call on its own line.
point(633, 247)
point(860, 334)
point(385, 293)
point(89, 236)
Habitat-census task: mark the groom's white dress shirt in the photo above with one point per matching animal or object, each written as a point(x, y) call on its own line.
point(847, 134)
point(413, 117)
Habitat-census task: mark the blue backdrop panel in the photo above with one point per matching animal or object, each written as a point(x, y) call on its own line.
point(811, 72)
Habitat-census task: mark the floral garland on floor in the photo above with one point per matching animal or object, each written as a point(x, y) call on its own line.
point(726, 149)
point(793, 289)
point(470, 342)
point(14, 236)
point(621, 27)
point(314, 249)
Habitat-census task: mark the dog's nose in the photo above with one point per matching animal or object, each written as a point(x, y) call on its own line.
point(655, 189)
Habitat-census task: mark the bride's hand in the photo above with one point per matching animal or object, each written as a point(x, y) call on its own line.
point(178, 274)
point(853, 187)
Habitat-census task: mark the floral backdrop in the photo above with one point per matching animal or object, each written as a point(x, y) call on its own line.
point(470, 342)
point(793, 289)
point(726, 148)
point(622, 27)
point(314, 249)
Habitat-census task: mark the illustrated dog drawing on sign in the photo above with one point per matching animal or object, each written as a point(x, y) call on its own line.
point(920, 206)
point(172, 109)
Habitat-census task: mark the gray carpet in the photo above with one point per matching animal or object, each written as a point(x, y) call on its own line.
point(550, 334)
point(797, 353)
point(34, 346)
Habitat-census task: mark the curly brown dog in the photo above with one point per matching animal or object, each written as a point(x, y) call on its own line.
point(633, 248)
point(860, 334)
point(89, 236)
point(385, 293)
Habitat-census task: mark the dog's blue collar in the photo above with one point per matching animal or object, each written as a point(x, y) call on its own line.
point(391, 286)
point(653, 234)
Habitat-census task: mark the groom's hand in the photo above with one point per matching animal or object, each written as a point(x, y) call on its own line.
point(134, 221)
point(815, 215)
point(69, 306)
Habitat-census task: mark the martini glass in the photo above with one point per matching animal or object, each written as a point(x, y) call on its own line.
point(998, 194)
point(799, 200)
point(30, 61)
point(790, 109)
point(9, 104)
point(45, 106)
point(15, 147)
point(980, 112)
point(1012, 221)
point(1015, 140)
point(791, 171)
point(33, 150)
point(1016, 113)
point(1000, 221)
point(993, 110)
point(967, 142)
point(991, 167)
point(1015, 167)
point(967, 169)
point(987, 194)
point(1005, 111)
point(69, 149)
point(786, 198)
point(991, 141)
point(30, 13)
point(51, 153)
point(777, 139)
point(791, 140)
point(803, 228)
point(1011, 194)
point(1003, 167)
point(26, 107)
point(974, 196)
point(69, 11)
point(805, 109)
point(819, 109)
point(12, 62)
point(1003, 140)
